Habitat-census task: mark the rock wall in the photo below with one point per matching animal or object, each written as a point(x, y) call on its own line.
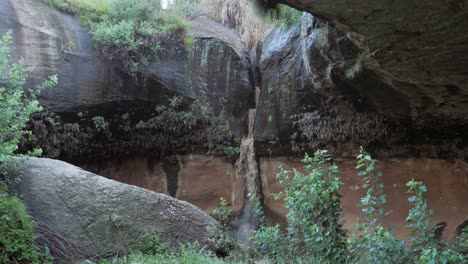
point(200, 179)
point(317, 91)
point(214, 70)
point(413, 57)
point(203, 180)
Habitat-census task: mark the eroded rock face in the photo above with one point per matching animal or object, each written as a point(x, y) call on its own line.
point(312, 97)
point(414, 56)
point(214, 70)
point(103, 216)
point(199, 179)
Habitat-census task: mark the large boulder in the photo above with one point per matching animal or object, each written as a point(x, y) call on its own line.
point(102, 216)
point(413, 56)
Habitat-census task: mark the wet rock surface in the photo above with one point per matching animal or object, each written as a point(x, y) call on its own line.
point(414, 56)
point(318, 91)
point(214, 71)
point(103, 216)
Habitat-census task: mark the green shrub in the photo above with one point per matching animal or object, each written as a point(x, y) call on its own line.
point(15, 105)
point(100, 123)
point(372, 242)
point(17, 237)
point(231, 152)
point(426, 247)
point(270, 241)
point(152, 244)
point(131, 10)
point(168, 22)
point(224, 239)
point(118, 34)
point(132, 30)
point(314, 230)
point(313, 201)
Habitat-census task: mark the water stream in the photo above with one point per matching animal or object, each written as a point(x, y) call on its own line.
point(247, 170)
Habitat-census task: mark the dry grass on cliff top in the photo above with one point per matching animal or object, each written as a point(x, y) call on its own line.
point(80, 6)
point(248, 19)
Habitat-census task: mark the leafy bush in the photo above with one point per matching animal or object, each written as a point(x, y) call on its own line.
point(224, 239)
point(119, 34)
point(231, 152)
point(426, 247)
point(152, 244)
point(17, 237)
point(314, 230)
point(313, 201)
point(100, 123)
point(372, 242)
point(15, 105)
point(130, 30)
point(270, 241)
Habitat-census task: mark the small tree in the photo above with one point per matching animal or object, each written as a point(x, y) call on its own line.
point(15, 105)
point(314, 205)
point(373, 242)
point(17, 237)
point(224, 239)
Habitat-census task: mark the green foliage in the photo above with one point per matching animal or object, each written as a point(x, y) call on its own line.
point(314, 229)
point(17, 237)
point(130, 30)
point(419, 218)
point(175, 102)
point(313, 201)
point(100, 123)
point(189, 41)
point(372, 242)
point(88, 11)
point(223, 213)
point(224, 239)
point(190, 253)
point(231, 152)
point(152, 244)
point(424, 243)
point(15, 105)
point(270, 241)
point(283, 14)
point(257, 205)
point(119, 34)
point(270, 119)
point(219, 127)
